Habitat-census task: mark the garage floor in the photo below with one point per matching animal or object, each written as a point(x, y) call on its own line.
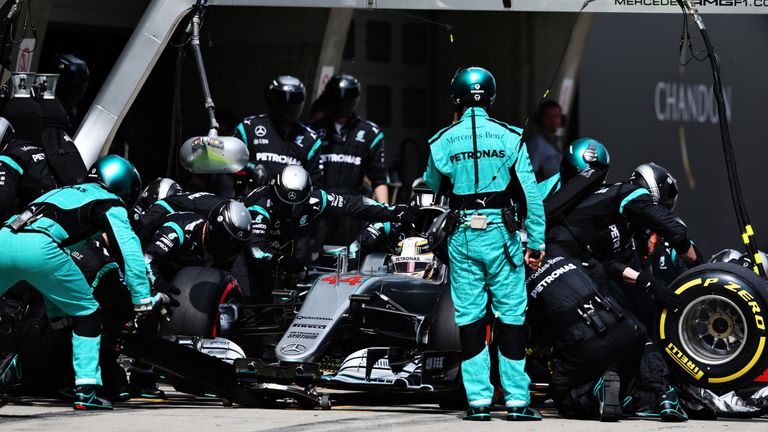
point(184, 414)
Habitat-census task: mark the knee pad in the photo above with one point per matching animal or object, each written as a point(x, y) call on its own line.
point(472, 339)
point(87, 325)
point(511, 340)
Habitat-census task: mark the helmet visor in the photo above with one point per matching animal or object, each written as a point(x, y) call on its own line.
point(409, 267)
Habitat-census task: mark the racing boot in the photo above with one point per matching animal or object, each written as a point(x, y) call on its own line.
point(670, 409)
point(607, 390)
point(86, 399)
point(480, 413)
point(523, 414)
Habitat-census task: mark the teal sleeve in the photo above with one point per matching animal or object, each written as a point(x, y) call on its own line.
point(133, 258)
point(240, 133)
point(535, 220)
point(432, 175)
point(636, 193)
point(549, 186)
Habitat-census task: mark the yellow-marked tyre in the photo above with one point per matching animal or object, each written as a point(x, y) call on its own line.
point(718, 338)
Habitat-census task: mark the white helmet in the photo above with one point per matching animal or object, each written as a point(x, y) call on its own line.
point(413, 258)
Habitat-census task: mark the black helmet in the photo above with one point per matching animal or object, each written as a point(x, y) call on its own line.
point(473, 86)
point(658, 181)
point(6, 132)
point(341, 95)
point(227, 229)
point(292, 185)
point(73, 78)
point(159, 189)
point(118, 176)
point(285, 97)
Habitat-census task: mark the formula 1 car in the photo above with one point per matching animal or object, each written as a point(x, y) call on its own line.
point(372, 330)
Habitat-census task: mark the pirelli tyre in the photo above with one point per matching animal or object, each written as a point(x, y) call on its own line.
point(202, 290)
point(717, 339)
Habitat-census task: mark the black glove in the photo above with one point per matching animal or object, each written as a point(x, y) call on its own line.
point(257, 174)
point(406, 214)
point(290, 264)
point(663, 296)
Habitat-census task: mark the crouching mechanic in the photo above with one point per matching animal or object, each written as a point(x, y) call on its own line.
point(34, 244)
point(288, 206)
point(483, 166)
point(187, 239)
point(598, 346)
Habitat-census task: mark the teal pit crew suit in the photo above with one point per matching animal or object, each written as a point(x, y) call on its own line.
point(482, 164)
point(38, 252)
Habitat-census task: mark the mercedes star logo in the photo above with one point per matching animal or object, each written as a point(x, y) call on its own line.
point(291, 195)
point(293, 348)
point(260, 131)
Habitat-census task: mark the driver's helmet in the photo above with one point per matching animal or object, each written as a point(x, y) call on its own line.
point(413, 258)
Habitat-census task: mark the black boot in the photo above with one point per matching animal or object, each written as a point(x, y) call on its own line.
point(670, 409)
point(608, 390)
point(481, 413)
point(523, 414)
point(86, 399)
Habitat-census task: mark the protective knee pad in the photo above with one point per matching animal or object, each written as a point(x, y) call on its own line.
point(472, 339)
point(511, 340)
point(87, 325)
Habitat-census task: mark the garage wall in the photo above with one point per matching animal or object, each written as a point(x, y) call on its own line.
point(637, 99)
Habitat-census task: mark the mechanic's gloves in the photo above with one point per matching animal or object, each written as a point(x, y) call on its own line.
point(290, 264)
point(257, 174)
point(406, 214)
point(663, 296)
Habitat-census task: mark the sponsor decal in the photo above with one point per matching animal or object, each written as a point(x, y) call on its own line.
point(689, 103)
point(302, 335)
point(480, 154)
point(433, 363)
point(341, 159)
point(277, 158)
point(294, 348)
point(696, 3)
point(615, 237)
point(683, 360)
point(260, 131)
point(551, 278)
point(360, 136)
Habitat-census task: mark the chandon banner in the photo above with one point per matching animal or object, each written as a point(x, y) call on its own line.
point(635, 97)
point(687, 102)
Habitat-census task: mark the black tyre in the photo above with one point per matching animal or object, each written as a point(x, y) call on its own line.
point(444, 337)
point(202, 290)
point(717, 339)
point(444, 334)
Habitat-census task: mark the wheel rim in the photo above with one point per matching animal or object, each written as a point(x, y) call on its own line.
point(712, 330)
